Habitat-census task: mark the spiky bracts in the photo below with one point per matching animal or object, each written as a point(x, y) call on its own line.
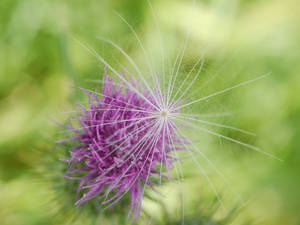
point(121, 142)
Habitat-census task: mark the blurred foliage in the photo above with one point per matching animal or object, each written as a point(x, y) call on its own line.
point(41, 62)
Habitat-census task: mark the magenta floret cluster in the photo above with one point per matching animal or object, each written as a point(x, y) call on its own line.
point(120, 144)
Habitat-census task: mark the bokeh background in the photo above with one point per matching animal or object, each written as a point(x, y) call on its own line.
point(41, 62)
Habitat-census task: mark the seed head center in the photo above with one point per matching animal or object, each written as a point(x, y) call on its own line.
point(164, 114)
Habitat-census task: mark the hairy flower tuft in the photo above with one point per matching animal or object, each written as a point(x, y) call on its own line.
point(122, 141)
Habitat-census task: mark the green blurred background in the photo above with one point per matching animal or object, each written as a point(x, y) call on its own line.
point(40, 62)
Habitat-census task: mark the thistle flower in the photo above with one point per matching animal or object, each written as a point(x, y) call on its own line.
point(128, 137)
point(122, 142)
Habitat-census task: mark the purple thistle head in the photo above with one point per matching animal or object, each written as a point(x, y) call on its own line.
point(127, 139)
point(122, 144)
